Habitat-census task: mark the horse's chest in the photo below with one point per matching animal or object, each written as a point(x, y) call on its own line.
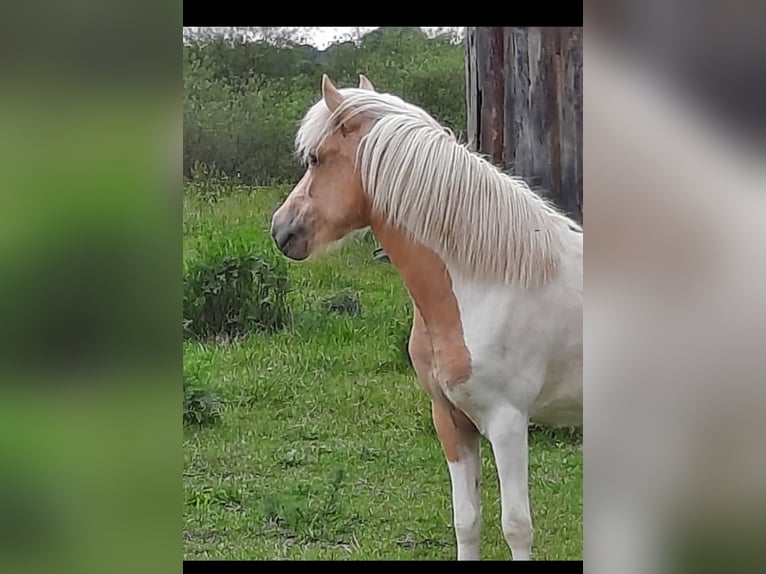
point(508, 335)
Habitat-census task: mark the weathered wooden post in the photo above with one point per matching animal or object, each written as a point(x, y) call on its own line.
point(524, 98)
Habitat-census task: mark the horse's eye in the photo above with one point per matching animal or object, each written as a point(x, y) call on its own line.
point(313, 159)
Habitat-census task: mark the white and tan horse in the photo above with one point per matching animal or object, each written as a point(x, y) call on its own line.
point(494, 273)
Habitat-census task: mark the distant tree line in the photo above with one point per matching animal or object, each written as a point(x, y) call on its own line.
point(243, 99)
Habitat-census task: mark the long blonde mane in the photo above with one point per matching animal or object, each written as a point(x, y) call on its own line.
point(419, 178)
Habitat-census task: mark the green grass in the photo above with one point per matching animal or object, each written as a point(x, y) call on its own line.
point(325, 447)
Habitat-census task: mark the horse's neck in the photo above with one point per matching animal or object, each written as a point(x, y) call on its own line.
point(424, 274)
point(430, 286)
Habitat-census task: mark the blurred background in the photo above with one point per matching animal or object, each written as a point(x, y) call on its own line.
point(674, 183)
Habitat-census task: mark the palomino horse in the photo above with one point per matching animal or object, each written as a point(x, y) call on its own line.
point(494, 273)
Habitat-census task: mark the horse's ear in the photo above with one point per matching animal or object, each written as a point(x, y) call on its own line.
point(332, 97)
point(365, 84)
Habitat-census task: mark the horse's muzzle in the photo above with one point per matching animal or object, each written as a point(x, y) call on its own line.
point(291, 239)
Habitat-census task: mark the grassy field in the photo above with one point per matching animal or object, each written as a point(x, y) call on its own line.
point(325, 448)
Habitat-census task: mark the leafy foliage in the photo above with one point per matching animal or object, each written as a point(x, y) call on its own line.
point(209, 182)
point(343, 303)
point(201, 405)
point(230, 293)
point(243, 100)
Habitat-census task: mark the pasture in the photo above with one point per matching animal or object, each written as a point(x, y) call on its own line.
point(325, 447)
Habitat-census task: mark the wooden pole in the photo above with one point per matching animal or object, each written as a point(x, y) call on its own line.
point(524, 106)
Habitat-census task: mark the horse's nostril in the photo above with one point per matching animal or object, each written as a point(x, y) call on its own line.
point(288, 239)
point(284, 238)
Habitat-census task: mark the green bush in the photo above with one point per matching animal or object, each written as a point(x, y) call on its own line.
point(229, 294)
point(209, 182)
point(201, 406)
point(243, 100)
point(343, 303)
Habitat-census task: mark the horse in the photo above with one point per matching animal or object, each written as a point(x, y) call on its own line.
point(493, 270)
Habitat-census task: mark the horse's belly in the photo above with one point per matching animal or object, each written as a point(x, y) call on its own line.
point(560, 400)
point(560, 413)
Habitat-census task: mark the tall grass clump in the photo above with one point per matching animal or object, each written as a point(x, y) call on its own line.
point(231, 292)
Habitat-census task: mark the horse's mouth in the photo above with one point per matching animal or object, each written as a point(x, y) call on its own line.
point(294, 247)
point(296, 255)
point(292, 241)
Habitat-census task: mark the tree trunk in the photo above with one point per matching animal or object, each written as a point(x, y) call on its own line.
point(524, 97)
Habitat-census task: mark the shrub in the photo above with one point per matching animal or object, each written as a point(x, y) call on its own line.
point(343, 303)
point(231, 294)
point(201, 405)
point(242, 101)
point(209, 182)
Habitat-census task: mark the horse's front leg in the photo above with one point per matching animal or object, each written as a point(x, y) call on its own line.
point(508, 432)
point(460, 441)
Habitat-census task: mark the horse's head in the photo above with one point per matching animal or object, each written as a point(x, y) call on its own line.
point(329, 201)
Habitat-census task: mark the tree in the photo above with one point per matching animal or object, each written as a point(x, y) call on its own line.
point(524, 93)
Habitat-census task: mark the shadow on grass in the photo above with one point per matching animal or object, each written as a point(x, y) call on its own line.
point(554, 435)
